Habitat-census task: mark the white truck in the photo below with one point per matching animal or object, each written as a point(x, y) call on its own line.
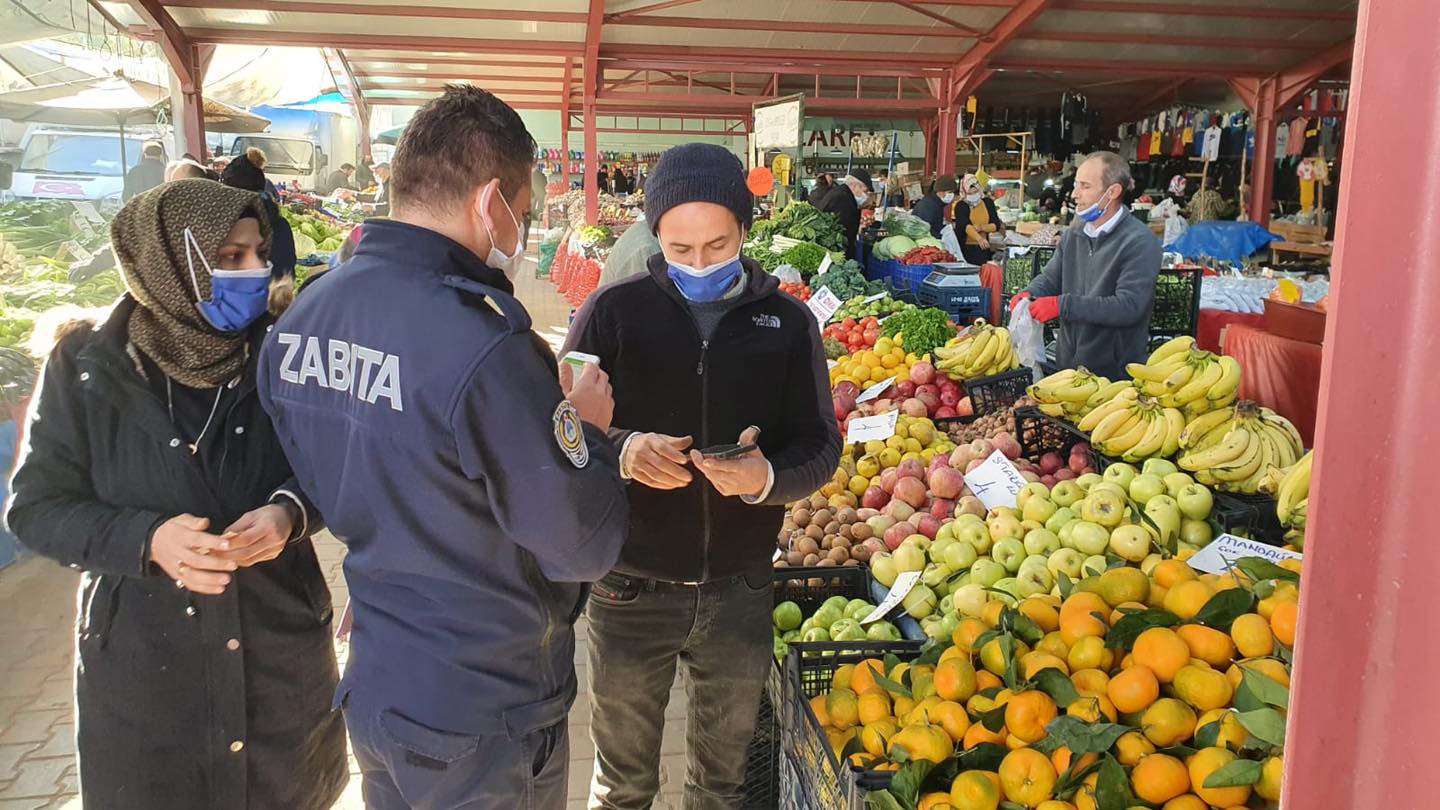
point(80, 163)
point(302, 147)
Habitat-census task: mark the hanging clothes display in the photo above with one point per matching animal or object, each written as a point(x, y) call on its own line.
point(1306, 172)
point(1211, 149)
point(1295, 146)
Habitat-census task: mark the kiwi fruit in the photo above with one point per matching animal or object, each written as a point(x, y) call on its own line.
point(862, 531)
point(839, 555)
point(807, 545)
point(812, 560)
point(826, 562)
point(814, 531)
point(800, 517)
point(822, 516)
point(795, 558)
point(846, 515)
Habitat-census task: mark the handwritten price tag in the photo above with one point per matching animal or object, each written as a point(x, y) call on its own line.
point(904, 584)
point(875, 429)
point(996, 482)
point(1220, 556)
point(824, 303)
point(874, 391)
point(824, 265)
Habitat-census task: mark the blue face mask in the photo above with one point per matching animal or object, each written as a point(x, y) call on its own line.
point(237, 297)
point(707, 283)
point(1094, 212)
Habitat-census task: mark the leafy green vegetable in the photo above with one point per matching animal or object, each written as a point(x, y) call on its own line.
point(846, 281)
point(924, 329)
point(802, 221)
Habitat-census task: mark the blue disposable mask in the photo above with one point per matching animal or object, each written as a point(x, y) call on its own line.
point(1094, 212)
point(707, 283)
point(237, 297)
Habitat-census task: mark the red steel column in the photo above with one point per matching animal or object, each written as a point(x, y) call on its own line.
point(1362, 714)
point(945, 141)
point(592, 166)
point(1262, 166)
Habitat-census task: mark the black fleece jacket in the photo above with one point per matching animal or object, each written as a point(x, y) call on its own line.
point(764, 366)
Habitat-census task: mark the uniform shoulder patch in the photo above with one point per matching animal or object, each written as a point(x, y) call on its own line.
point(570, 435)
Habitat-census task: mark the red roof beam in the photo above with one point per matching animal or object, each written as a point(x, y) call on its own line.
point(1125, 66)
point(768, 70)
point(384, 10)
point(313, 39)
point(447, 75)
point(423, 100)
point(1126, 38)
point(425, 59)
point(641, 10)
point(807, 26)
point(1206, 10)
point(970, 71)
point(925, 12)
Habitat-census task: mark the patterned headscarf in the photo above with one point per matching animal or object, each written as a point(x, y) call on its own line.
point(969, 186)
point(148, 236)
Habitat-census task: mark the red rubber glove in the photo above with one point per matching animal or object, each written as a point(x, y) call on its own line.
point(1045, 309)
point(1015, 301)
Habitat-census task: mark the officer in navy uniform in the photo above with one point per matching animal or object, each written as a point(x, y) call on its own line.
point(472, 482)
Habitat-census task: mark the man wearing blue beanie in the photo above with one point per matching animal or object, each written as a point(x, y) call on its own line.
point(704, 352)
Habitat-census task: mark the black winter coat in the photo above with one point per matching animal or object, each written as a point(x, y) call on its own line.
point(183, 701)
point(763, 366)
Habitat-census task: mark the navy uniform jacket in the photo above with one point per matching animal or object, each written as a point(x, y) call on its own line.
point(425, 420)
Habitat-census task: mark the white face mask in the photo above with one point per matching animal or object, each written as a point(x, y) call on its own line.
point(974, 198)
point(948, 197)
point(861, 199)
point(498, 259)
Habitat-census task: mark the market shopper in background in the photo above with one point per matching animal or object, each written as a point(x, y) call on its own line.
point(475, 488)
point(539, 188)
point(380, 205)
point(17, 382)
point(631, 254)
point(343, 177)
point(603, 176)
point(1101, 281)
point(845, 202)
point(148, 173)
point(933, 205)
point(185, 168)
point(247, 172)
point(975, 217)
point(204, 660)
point(704, 350)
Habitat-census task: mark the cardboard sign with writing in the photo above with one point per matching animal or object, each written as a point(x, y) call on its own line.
point(824, 303)
point(1220, 556)
point(824, 264)
point(995, 482)
point(875, 390)
point(873, 428)
point(904, 584)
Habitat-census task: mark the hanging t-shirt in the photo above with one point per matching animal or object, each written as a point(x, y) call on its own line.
point(1155, 142)
point(1177, 149)
point(1296, 145)
point(1306, 172)
point(1282, 141)
point(1212, 144)
point(1142, 150)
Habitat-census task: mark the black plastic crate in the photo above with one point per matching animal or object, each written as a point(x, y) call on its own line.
point(762, 781)
point(1177, 304)
point(810, 587)
point(1022, 269)
point(824, 781)
point(998, 391)
point(1039, 433)
point(1252, 515)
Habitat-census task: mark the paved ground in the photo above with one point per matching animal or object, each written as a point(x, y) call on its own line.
point(37, 601)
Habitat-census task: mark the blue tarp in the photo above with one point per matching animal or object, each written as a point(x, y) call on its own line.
point(1230, 241)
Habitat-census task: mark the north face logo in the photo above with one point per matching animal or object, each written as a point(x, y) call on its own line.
point(770, 321)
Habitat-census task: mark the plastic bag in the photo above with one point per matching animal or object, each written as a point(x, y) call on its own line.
point(1175, 228)
point(952, 244)
point(1028, 335)
point(788, 275)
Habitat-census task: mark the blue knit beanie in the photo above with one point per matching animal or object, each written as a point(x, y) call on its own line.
point(698, 172)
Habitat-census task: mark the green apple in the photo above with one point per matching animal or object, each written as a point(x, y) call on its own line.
point(946, 532)
point(970, 599)
point(1088, 480)
point(1039, 509)
point(1159, 467)
point(948, 623)
point(1131, 542)
point(793, 635)
point(1197, 533)
point(932, 627)
point(909, 557)
point(1121, 474)
point(816, 634)
point(1166, 513)
point(880, 524)
point(1089, 538)
point(967, 517)
point(977, 534)
point(937, 549)
point(852, 631)
point(1058, 520)
point(935, 573)
point(947, 603)
point(786, 616)
point(883, 631)
point(1004, 527)
point(1151, 560)
point(883, 568)
point(1095, 565)
point(1008, 587)
point(1067, 532)
point(986, 572)
point(920, 602)
point(1146, 486)
point(1065, 561)
point(1009, 552)
point(960, 556)
point(1034, 489)
point(1103, 507)
point(837, 602)
point(919, 541)
point(1110, 486)
point(1041, 541)
point(858, 609)
point(843, 626)
point(1066, 493)
point(1195, 501)
point(1174, 482)
point(1033, 581)
point(828, 615)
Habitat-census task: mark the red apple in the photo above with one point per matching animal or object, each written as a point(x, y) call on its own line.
point(922, 373)
point(965, 407)
point(946, 483)
point(930, 400)
point(933, 389)
point(927, 524)
point(911, 491)
point(949, 398)
point(895, 535)
point(969, 468)
point(841, 411)
point(911, 468)
point(847, 388)
point(945, 412)
point(942, 509)
point(915, 406)
point(875, 498)
point(905, 389)
point(1050, 462)
point(1078, 462)
point(1065, 474)
point(888, 479)
point(1048, 481)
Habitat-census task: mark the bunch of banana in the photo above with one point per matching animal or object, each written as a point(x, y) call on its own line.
point(1292, 500)
point(1068, 393)
point(1234, 448)
point(1134, 427)
point(982, 351)
point(1181, 376)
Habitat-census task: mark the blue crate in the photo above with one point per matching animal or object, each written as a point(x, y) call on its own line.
point(877, 269)
point(962, 304)
point(907, 278)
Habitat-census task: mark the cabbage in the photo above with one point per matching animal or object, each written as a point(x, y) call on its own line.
point(893, 247)
point(902, 223)
point(929, 241)
point(304, 245)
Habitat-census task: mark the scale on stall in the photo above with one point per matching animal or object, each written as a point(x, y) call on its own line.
point(955, 287)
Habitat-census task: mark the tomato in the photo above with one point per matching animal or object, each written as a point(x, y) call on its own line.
point(847, 324)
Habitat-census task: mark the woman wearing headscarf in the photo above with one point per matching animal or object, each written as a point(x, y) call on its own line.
point(247, 172)
point(976, 213)
point(205, 671)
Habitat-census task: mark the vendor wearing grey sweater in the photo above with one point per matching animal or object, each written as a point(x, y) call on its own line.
point(1101, 281)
